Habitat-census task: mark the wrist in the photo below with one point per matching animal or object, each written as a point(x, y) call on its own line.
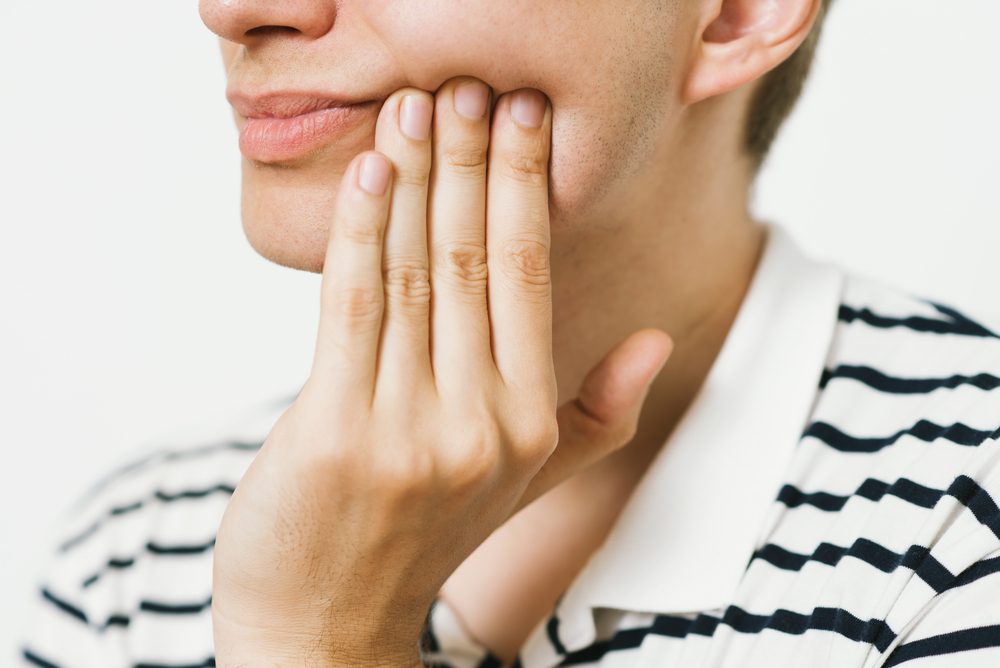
point(238, 654)
point(237, 646)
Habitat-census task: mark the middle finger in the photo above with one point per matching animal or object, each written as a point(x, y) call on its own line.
point(456, 232)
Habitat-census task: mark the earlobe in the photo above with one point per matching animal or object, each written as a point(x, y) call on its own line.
point(738, 41)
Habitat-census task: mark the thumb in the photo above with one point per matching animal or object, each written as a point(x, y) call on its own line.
point(604, 415)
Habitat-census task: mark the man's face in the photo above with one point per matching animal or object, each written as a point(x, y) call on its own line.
point(606, 65)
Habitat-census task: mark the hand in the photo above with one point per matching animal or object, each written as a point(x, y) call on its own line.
point(429, 416)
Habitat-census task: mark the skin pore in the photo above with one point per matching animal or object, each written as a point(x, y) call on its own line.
point(648, 201)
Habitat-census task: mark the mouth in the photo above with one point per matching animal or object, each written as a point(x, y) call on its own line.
point(281, 127)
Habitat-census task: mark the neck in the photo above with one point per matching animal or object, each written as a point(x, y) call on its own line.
point(678, 258)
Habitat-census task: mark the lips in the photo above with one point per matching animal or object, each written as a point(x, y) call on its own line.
point(281, 127)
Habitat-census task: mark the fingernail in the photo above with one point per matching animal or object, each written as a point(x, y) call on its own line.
point(527, 108)
point(373, 176)
point(415, 117)
point(471, 98)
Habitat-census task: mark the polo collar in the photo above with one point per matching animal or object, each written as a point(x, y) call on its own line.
point(686, 535)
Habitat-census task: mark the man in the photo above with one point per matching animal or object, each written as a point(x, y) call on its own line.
point(521, 211)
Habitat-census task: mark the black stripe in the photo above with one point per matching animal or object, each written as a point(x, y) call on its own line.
point(958, 324)
point(552, 628)
point(166, 456)
point(917, 558)
point(963, 319)
point(924, 430)
point(978, 500)
point(705, 625)
point(963, 488)
point(89, 531)
point(36, 660)
point(69, 609)
point(834, 620)
point(894, 385)
point(977, 571)
point(122, 619)
point(116, 620)
point(946, 643)
point(623, 640)
point(158, 495)
point(872, 489)
point(207, 663)
point(793, 497)
point(175, 608)
point(121, 563)
point(490, 661)
point(117, 563)
point(671, 626)
point(901, 488)
point(199, 548)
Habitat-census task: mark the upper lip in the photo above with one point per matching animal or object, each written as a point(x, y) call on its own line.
point(285, 104)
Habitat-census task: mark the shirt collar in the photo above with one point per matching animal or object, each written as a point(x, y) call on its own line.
point(683, 540)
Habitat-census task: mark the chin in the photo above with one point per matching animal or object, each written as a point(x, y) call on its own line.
point(287, 213)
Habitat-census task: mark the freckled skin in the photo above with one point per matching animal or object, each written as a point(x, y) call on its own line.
point(606, 66)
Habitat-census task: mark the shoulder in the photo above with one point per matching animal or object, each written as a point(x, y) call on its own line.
point(141, 493)
point(902, 366)
point(133, 555)
point(914, 355)
point(914, 382)
point(880, 315)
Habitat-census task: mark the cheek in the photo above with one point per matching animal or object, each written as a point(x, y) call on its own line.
point(586, 159)
point(600, 152)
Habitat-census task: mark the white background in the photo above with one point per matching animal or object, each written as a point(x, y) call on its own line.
point(133, 312)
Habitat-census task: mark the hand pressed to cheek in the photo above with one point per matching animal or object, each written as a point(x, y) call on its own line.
point(429, 415)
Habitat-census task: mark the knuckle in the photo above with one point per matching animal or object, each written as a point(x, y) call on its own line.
point(407, 282)
point(539, 435)
point(526, 261)
point(529, 167)
point(358, 304)
point(465, 264)
point(404, 475)
point(467, 158)
point(476, 459)
point(364, 231)
point(412, 175)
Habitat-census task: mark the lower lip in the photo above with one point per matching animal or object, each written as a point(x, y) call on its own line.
point(283, 139)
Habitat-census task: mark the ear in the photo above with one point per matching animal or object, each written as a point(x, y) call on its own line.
point(738, 41)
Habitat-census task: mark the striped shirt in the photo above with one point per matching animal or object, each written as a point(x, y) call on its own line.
point(828, 499)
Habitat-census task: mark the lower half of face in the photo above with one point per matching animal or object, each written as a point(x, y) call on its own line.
point(606, 66)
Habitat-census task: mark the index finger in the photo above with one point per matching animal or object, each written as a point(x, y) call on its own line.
point(351, 289)
point(517, 239)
